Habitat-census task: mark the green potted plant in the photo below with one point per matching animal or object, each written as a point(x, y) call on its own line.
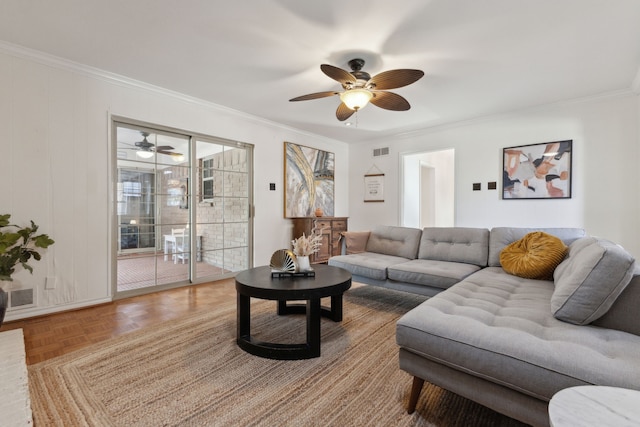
point(17, 246)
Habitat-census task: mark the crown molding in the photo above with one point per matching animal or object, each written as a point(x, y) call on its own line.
point(498, 116)
point(92, 72)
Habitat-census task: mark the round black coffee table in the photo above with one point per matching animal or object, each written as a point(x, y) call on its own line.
point(258, 283)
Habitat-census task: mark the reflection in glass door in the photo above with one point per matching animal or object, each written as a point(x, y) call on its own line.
point(182, 207)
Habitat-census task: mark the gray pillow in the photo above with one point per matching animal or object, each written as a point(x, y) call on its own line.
point(590, 279)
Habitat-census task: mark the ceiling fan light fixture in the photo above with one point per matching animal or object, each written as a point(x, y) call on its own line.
point(178, 158)
point(356, 99)
point(144, 154)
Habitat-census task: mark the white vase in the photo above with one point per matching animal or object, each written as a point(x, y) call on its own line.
point(303, 263)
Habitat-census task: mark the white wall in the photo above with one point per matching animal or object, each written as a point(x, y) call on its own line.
point(606, 154)
point(54, 166)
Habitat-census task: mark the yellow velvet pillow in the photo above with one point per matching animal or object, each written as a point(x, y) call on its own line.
point(535, 256)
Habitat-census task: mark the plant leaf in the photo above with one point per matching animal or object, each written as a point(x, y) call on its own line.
point(43, 241)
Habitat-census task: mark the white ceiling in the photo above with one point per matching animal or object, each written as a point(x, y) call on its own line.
point(480, 57)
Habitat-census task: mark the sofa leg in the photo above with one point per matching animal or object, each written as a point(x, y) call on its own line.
point(416, 388)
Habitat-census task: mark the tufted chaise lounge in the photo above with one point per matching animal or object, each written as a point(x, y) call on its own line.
point(508, 342)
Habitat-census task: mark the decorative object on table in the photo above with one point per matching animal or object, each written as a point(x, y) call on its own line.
point(331, 229)
point(303, 263)
point(309, 181)
point(537, 171)
point(319, 212)
point(284, 263)
point(304, 246)
point(17, 246)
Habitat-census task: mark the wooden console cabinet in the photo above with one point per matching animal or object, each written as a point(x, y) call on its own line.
point(331, 229)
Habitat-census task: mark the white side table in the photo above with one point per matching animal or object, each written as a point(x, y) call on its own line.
point(595, 406)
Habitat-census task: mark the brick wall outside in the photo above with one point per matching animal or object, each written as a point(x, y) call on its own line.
point(222, 222)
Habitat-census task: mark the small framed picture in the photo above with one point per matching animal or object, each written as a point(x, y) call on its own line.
point(537, 171)
point(374, 188)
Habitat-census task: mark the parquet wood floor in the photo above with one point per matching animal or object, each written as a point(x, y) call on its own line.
point(57, 334)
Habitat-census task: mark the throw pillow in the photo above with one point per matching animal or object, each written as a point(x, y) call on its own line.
point(590, 280)
point(355, 241)
point(535, 256)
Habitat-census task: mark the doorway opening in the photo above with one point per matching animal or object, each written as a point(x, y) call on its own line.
point(428, 189)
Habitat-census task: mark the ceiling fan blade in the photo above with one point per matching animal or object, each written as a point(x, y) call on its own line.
point(393, 79)
point(390, 101)
point(338, 74)
point(343, 112)
point(314, 96)
point(164, 147)
point(169, 153)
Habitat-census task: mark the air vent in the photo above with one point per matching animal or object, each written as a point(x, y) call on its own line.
point(377, 152)
point(21, 298)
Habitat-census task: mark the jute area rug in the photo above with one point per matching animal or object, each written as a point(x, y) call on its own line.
point(191, 372)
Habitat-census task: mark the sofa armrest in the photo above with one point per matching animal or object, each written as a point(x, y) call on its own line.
point(623, 314)
point(354, 242)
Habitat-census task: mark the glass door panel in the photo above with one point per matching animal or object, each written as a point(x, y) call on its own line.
point(182, 207)
point(152, 170)
point(222, 207)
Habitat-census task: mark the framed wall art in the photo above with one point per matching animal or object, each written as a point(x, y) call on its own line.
point(374, 187)
point(309, 181)
point(537, 171)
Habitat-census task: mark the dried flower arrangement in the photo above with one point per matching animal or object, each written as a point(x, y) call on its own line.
point(308, 245)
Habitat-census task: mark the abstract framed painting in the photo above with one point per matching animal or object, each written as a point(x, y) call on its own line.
point(537, 171)
point(309, 181)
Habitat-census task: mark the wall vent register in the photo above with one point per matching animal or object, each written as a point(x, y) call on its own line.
point(377, 152)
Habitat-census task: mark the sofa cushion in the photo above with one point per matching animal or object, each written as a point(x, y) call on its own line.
point(498, 327)
point(455, 244)
point(396, 241)
point(502, 236)
point(368, 264)
point(535, 256)
point(439, 274)
point(588, 282)
point(355, 241)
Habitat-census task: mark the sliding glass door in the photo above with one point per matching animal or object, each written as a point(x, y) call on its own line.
point(222, 205)
point(182, 208)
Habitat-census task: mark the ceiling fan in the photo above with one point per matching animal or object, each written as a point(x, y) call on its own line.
point(360, 88)
point(145, 149)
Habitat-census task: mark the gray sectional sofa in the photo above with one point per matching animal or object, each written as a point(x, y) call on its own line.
point(420, 261)
point(507, 342)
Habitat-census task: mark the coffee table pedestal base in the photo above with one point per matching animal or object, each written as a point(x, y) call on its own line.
point(271, 350)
